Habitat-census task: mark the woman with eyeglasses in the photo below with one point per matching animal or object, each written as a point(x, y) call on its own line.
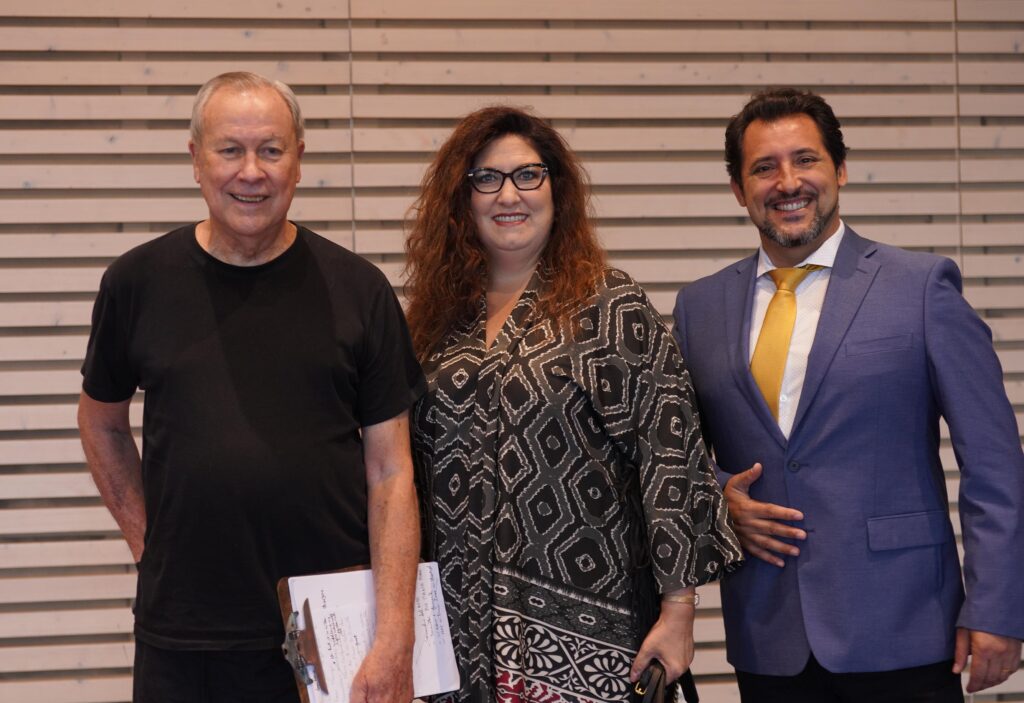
point(567, 494)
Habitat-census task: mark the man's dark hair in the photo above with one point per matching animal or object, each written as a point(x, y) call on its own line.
point(773, 104)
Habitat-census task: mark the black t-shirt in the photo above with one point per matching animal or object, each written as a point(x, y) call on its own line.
point(257, 381)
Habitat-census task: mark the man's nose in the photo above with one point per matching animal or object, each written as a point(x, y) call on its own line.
point(789, 179)
point(251, 169)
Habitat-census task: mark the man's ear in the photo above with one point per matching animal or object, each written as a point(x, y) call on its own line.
point(841, 174)
point(192, 150)
point(737, 190)
point(301, 149)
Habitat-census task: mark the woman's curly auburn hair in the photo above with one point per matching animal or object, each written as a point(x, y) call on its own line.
point(446, 266)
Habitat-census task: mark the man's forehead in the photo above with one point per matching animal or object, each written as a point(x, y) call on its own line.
point(230, 107)
point(789, 134)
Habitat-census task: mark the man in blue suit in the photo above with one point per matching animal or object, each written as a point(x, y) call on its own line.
point(822, 364)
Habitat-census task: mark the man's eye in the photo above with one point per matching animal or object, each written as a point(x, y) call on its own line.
point(273, 151)
point(229, 151)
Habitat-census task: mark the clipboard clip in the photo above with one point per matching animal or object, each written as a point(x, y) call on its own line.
point(300, 649)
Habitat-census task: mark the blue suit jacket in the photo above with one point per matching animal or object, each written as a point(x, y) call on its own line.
point(877, 585)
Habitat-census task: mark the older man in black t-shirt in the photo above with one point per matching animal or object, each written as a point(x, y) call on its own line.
point(278, 374)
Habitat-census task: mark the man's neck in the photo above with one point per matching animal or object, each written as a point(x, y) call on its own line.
point(244, 251)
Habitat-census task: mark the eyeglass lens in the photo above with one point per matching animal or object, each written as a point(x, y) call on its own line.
point(491, 180)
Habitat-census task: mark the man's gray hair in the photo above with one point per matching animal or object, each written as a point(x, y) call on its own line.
point(240, 81)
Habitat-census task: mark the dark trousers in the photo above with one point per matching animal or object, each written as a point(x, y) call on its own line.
point(934, 683)
point(231, 676)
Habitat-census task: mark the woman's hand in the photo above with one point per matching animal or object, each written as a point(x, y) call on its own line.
point(670, 641)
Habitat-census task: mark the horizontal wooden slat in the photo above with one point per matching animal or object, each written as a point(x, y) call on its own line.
point(145, 210)
point(35, 554)
point(994, 265)
point(187, 9)
point(142, 107)
point(992, 137)
point(40, 521)
point(56, 589)
point(100, 689)
point(688, 238)
point(638, 74)
point(52, 416)
point(721, 203)
point(200, 39)
point(145, 176)
point(45, 314)
point(139, 141)
point(725, 10)
point(34, 486)
point(992, 201)
point(42, 348)
point(167, 73)
point(989, 41)
point(991, 104)
point(645, 40)
point(60, 245)
point(989, 11)
point(112, 655)
point(38, 382)
point(981, 234)
point(654, 106)
point(57, 623)
point(994, 170)
point(990, 73)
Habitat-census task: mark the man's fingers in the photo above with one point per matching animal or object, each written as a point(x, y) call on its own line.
point(764, 555)
point(963, 648)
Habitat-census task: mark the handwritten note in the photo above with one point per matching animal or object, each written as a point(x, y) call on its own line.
point(343, 613)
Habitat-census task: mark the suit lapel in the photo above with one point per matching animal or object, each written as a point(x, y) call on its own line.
point(852, 274)
point(739, 304)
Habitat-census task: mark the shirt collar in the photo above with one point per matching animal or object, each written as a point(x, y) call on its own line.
point(825, 255)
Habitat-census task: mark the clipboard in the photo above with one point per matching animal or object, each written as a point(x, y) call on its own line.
point(329, 620)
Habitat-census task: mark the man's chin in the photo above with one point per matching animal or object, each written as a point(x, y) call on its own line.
point(791, 239)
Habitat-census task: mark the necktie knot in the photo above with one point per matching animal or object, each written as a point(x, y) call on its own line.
point(789, 278)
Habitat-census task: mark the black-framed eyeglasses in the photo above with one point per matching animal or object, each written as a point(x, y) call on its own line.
point(491, 180)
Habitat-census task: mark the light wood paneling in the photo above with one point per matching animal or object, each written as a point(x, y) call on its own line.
point(93, 127)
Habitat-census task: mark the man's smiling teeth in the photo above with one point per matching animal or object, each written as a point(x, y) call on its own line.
point(249, 198)
point(509, 218)
point(792, 205)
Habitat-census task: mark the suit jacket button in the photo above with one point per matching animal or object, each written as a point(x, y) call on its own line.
point(794, 466)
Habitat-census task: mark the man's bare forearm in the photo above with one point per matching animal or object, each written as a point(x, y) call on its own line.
point(113, 459)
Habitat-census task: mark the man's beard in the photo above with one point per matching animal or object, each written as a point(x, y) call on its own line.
point(813, 231)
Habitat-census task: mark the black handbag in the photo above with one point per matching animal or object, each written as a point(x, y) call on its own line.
point(651, 686)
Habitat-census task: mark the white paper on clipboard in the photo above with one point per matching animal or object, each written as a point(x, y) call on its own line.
point(343, 611)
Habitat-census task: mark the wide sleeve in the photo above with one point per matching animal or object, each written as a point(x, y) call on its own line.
point(107, 374)
point(641, 392)
point(968, 381)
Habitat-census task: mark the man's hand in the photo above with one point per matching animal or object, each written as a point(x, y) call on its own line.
point(385, 676)
point(993, 658)
point(758, 524)
point(670, 641)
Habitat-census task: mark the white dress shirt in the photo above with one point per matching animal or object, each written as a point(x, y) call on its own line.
point(810, 296)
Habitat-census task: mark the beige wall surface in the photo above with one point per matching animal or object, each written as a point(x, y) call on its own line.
point(94, 104)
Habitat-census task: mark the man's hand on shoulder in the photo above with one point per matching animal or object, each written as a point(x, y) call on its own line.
point(385, 675)
point(994, 658)
point(757, 524)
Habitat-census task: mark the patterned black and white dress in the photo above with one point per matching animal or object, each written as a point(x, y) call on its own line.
point(559, 469)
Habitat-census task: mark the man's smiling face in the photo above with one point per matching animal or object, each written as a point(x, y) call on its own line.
point(790, 186)
point(247, 163)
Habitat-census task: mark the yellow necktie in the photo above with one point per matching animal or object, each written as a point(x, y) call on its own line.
point(769, 360)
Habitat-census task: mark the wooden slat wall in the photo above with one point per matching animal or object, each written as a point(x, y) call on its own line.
point(93, 115)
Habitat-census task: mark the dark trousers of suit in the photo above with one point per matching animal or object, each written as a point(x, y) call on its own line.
point(934, 683)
